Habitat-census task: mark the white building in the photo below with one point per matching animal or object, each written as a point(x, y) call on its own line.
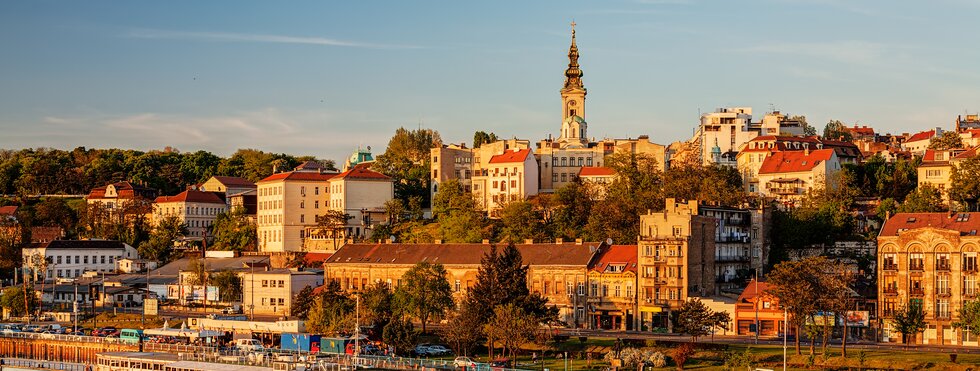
point(288, 203)
point(788, 175)
point(72, 258)
point(511, 176)
point(272, 291)
point(361, 193)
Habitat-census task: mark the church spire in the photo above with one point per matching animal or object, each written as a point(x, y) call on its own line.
point(573, 75)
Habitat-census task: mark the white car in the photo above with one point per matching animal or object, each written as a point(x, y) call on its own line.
point(251, 345)
point(438, 350)
point(460, 362)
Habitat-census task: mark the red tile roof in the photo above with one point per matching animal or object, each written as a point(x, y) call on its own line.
point(192, 196)
point(362, 171)
point(965, 223)
point(233, 181)
point(596, 171)
point(511, 156)
point(316, 259)
point(299, 175)
point(460, 253)
point(616, 254)
point(794, 161)
point(751, 291)
point(925, 135)
point(864, 130)
point(124, 190)
point(969, 153)
point(8, 210)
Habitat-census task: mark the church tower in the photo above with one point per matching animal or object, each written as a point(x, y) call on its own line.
point(573, 125)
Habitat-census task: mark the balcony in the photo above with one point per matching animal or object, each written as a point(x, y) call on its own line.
point(917, 267)
point(890, 290)
point(944, 291)
point(784, 190)
point(732, 258)
point(969, 268)
point(969, 293)
point(942, 266)
point(889, 267)
point(916, 292)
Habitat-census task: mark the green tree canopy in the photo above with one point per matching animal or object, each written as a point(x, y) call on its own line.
point(836, 130)
point(521, 222)
point(229, 286)
point(406, 160)
point(965, 179)
point(969, 317)
point(695, 318)
point(160, 246)
point(948, 140)
point(426, 292)
point(455, 210)
point(234, 231)
point(480, 138)
point(909, 320)
point(12, 300)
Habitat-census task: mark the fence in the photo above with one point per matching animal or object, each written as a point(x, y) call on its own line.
point(41, 365)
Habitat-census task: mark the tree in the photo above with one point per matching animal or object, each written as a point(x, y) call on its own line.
point(455, 210)
point(909, 320)
point(401, 334)
point(380, 305)
point(969, 317)
point(332, 311)
point(720, 320)
point(948, 140)
point(808, 130)
point(200, 276)
point(520, 222)
point(160, 246)
point(512, 326)
point(426, 291)
point(681, 354)
point(924, 199)
point(636, 189)
point(303, 301)
point(234, 231)
point(229, 286)
point(481, 137)
point(572, 205)
point(796, 284)
point(695, 319)
point(14, 301)
point(406, 160)
point(836, 130)
point(334, 221)
point(462, 331)
point(838, 296)
point(965, 179)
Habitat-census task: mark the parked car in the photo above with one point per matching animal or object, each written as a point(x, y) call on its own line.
point(252, 345)
point(500, 363)
point(107, 331)
point(438, 350)
point(461, 362)
point(421, 350)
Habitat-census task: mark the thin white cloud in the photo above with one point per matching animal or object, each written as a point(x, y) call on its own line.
point(258, 38)
point(847, 51)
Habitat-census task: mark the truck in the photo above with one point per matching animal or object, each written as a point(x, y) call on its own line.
point(300, 342)
point(334, 345)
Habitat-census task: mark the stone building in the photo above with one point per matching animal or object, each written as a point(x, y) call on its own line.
point(676, 260)
point(558, 271)
point(930, 259)
point(612, 288)
point(288, 203)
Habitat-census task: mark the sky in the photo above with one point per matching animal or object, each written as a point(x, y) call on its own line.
point(324, 77)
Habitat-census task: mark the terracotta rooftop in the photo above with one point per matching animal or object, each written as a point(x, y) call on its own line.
point(299, 175)
point(925, 135)
point(362, 171)
point(864, 130)
point(511, 156)
point(460, 253)
point(8, 210)
point(233, 181)
point(794, 161)
point(596, 171)
point(124, 190)
point(191, 196)
point(965, 223)
point(751, 291)
point(624, 255)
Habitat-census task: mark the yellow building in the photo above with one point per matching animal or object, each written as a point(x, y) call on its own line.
point(196, 209)
point(929, 258)
point(121, 198)
point(558, 271)
point(288, 203)
point(937, 166)
point(675, 261)
point(612, 283)
point(271, 292)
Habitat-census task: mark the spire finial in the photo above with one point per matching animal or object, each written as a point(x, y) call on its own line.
point(573, 75)
point(573, 28)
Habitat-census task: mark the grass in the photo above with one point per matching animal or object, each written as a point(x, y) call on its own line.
point(764, 356)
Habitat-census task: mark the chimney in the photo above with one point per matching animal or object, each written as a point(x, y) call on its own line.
point(529, 241)
point(486, 241)
point(559, 241)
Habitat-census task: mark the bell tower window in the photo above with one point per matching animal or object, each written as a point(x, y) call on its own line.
point(571, 112)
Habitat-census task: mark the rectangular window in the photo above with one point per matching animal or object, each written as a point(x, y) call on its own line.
point(103, 259)
point(456, 286)
point(58, 260)
point(969, 285)
point(513, 184)
point(554, 161)
point(595, 289)
point(581, 289)
point(564, 161)
point(588, 161)
point(265, 283)
point(282, 301)
point(316, 190)
point(617, 291)
point(554, 177)
point(564, 177)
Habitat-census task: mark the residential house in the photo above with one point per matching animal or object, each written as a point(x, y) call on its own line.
point(612, 288)
point(121, 198)
point(228, 185)
point(919, 142)
point(196, 209)
point(786, 176)
point(511, 176)
point(271, 292)
point(72, 258)
point(287, 205)
point(597, 179)
point(936, 168)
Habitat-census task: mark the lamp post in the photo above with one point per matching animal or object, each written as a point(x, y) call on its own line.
point(74, 303)
point(785, 333)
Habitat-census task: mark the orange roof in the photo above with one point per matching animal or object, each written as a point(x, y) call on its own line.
point(511, 156)
point(925, 135)
point(864, 130)
point(316, 258)
point(362, 171)
point(124, 190)
point(965, 223)
point(299, 175)
point(191, 196)
point(8, 210)
point(616, 255)
point(794, 161)
point(751, 291)
point(596, 171)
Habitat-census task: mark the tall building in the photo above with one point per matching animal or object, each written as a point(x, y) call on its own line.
point(510, 176)
point(675, 261)
point(361, 193)
point(929, 259)
point(741, 244)
point(288, 203)
point(612, 288)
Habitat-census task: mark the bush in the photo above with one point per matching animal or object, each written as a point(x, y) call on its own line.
point(633, 357)
point(738, 361)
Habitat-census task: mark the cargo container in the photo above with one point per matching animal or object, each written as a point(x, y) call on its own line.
point(334, 345)
point(300, 342)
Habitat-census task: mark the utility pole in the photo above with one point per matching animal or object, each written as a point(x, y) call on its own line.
point(74, 303)
point(145, 292)
point(785, 333)
point(757, 299)
point(357, 327)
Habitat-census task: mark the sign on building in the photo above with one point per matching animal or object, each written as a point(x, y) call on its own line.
point(151, 306)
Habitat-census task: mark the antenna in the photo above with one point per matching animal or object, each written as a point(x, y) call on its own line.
point(772, 108)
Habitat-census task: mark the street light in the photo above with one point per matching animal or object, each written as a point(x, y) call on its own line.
point(785, 332)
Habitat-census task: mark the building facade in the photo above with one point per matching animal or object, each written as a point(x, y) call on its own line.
point(787, 176)
point(929, 259)
point(287, 205)
point(196, 209)
point(612, 288)
point(741, 244)
point(675, 261)
point(271, 292)
point(72, 258)
point(361, 193)
point(558, 271)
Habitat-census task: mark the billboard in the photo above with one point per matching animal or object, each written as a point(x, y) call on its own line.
point(150, 307)
point(858, 318)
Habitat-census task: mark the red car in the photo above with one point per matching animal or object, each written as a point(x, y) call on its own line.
point(106, 332)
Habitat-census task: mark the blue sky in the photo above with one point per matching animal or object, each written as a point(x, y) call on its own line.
point(322, 77)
